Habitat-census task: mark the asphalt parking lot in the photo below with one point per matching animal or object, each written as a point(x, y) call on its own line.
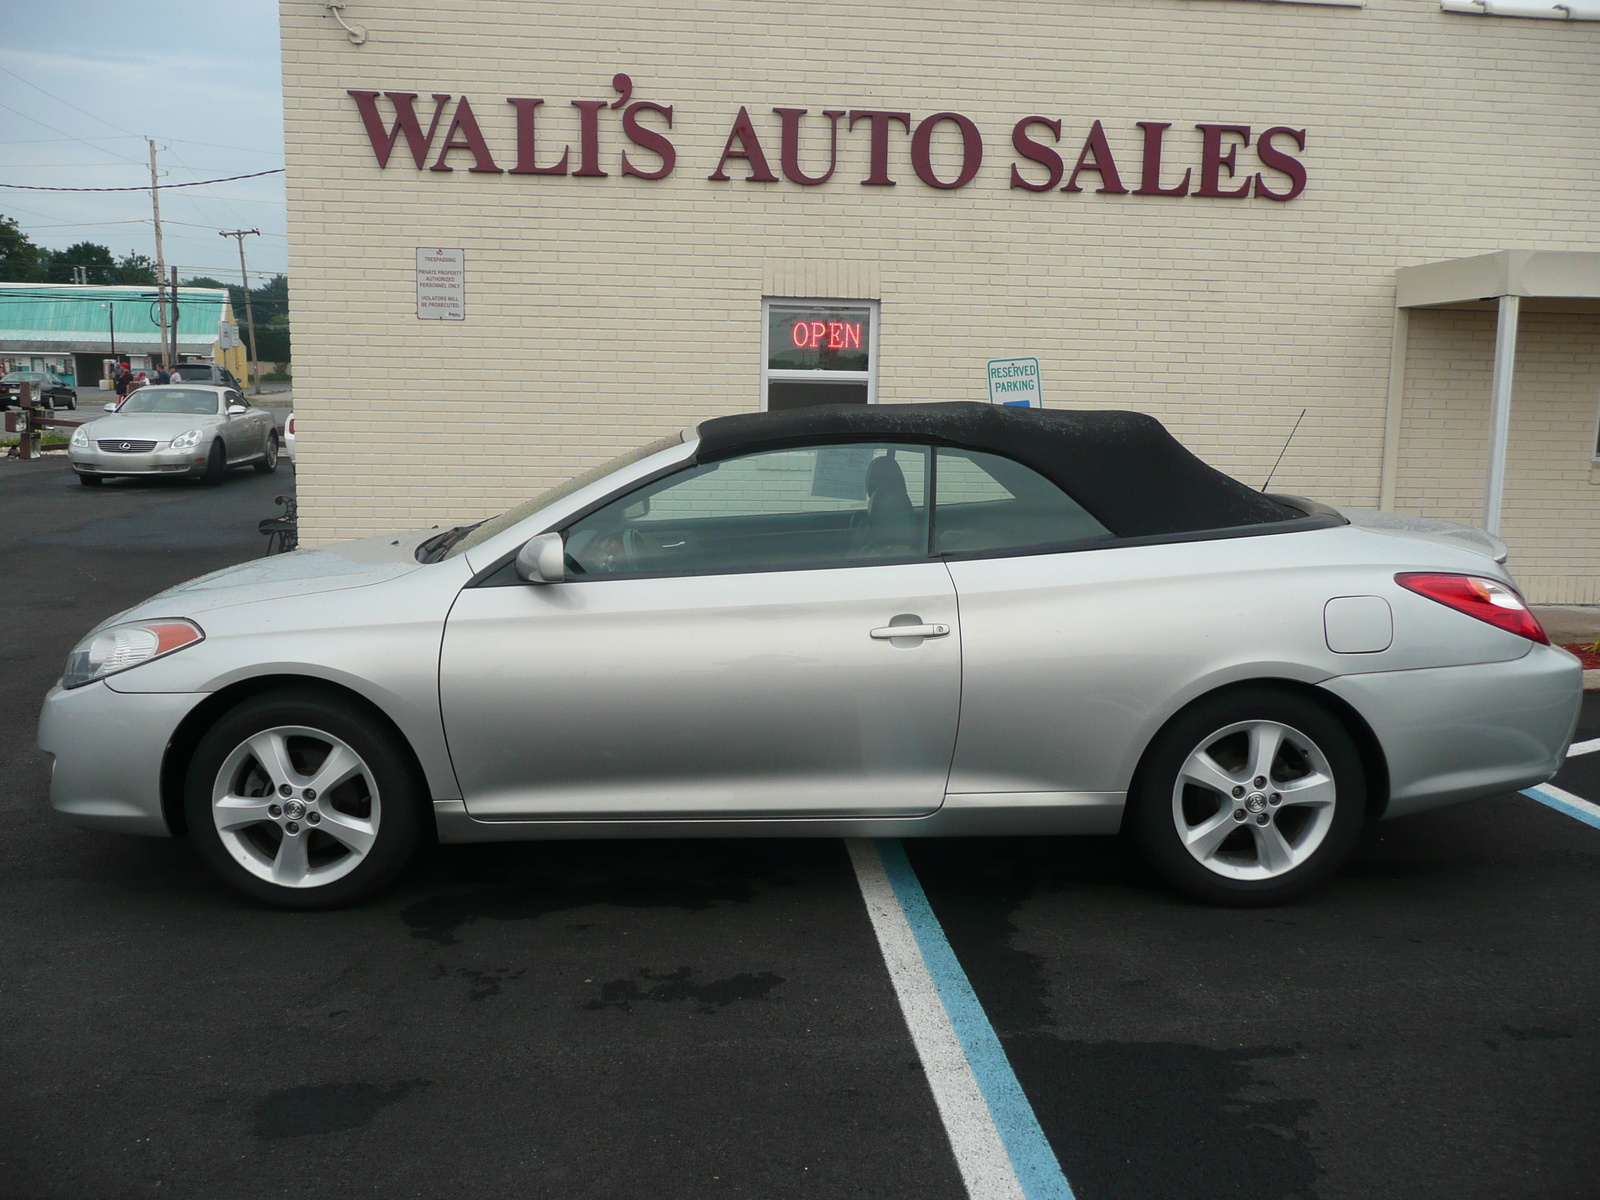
point(707, 1019)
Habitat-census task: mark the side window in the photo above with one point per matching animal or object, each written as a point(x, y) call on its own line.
point(986, 504)
point(778, 510)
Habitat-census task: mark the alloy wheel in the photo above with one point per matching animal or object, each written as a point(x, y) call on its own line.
point(1254, 800)
point(296, 806)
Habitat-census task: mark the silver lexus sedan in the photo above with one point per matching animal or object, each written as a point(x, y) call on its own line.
point(867, 621)
point(195, 430)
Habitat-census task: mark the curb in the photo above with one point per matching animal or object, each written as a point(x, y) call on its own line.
point(1591, 681)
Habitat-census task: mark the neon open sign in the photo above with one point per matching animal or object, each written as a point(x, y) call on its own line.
point(826, 335)
point(819, 337)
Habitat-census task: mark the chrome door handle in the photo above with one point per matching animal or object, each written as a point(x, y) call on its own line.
point(886, 632)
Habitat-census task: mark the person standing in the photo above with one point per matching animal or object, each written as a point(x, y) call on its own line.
point(162, 376)
point(124, 378)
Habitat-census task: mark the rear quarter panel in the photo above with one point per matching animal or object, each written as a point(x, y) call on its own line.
point(1072, 662)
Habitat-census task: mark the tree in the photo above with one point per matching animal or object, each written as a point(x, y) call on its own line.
point(271, 302)
point(96, 258)
point(134, 269)
point(20, 260)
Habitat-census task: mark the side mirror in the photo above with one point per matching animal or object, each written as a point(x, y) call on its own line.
point(542, 560)
point(111, 408)
point(237, 410)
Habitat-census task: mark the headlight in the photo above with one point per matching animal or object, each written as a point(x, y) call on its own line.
point(189, 440)
point(80, 437)
point(122, 646)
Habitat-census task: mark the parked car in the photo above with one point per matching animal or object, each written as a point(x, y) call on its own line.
point(51, 393)
point(288, 438)
point(849, 621)
point(175, 429)
point(207, 373)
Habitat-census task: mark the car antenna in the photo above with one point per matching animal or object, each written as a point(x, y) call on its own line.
point(1285, 449)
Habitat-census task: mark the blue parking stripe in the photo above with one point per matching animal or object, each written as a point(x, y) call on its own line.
point(1547, 797)
point(1031, 1156)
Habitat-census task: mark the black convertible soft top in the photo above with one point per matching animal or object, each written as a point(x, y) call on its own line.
point(1123, 467)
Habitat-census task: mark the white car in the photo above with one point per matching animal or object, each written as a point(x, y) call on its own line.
point(195, 430)
point(881, 621)
point(288, 438)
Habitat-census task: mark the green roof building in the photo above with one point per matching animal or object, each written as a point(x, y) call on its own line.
point(74, 329)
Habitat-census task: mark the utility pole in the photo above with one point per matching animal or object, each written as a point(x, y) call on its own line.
point(249, 310)
point(173, 357)
point(161, 262)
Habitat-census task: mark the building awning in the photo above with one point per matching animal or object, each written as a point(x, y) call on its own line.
point(1549, 280)
point(1505, 281)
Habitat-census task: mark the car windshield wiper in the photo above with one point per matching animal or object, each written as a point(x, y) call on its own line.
point(439, 545)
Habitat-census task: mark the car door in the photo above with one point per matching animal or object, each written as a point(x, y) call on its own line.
point(239, 436)
point(721, 648)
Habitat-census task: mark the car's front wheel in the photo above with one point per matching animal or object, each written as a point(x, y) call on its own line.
point(268, 462)
point(300, 802)
point(1251, 797)
point(216, 466)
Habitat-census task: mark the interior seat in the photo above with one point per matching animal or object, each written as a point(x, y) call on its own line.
point(890, 525)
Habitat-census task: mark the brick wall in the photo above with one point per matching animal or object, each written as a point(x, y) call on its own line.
point(1551, 511)
point(602, 312)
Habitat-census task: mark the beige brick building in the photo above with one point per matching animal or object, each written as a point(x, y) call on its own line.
point(1194, 208)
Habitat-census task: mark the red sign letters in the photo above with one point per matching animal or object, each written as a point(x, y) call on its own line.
point(1213, 165)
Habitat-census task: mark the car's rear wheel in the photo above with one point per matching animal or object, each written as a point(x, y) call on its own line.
point(216, 466)
point(1252, 797)
point(302, 803)
point(269, 460)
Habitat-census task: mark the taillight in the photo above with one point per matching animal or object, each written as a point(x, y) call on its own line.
point(291, 423)
point(1485, 599)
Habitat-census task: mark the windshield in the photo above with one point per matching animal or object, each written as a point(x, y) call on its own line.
point(487, 529)
point(171, 400)
point(23, 377)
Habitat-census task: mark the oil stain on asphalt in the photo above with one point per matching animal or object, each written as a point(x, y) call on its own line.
point(615, 874)
point(673, 986)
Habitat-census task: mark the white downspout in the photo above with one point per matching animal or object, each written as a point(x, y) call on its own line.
point(1505, 361)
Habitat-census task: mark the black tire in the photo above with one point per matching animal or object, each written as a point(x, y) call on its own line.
point(1284, 846)
point(395, 801)
point(269, 464)
point(91, 480)
point(216, 466)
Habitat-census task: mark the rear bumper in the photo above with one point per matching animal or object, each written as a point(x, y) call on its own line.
point(107, 748)
point(1457, 733)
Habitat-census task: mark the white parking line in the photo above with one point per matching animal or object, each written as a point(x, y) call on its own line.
point(1588, 747)
point(1000, 1150)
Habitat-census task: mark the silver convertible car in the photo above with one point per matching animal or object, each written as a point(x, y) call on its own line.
point(870, 621)
point(185, 430)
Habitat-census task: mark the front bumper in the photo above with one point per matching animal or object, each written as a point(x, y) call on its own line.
point(107, 748)
point(163, 460)
point(1457, 733)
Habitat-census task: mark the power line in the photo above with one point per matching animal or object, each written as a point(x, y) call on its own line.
point(29, 187)
point(68, 136)
point(68, 103)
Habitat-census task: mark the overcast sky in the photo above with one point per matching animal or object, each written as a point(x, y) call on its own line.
point(81, 84)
